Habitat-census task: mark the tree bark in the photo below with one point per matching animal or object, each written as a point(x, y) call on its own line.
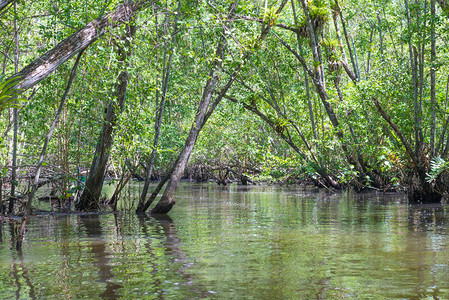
point(306, 78)
point(381, 37)
point(396, 129)
point(368, 60)
point(146, 205)
point(440, 149)
point(89, 199)
point(413, 66)
point(167, 200)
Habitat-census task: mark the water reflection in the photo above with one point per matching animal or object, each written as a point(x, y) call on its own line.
point(241, 243)
point(173, 248)
point(98, 249)
point(18, 271)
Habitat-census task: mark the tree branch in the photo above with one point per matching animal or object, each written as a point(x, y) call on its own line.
point(395, 128)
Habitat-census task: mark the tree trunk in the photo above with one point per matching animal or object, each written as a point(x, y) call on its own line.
point(368, 61)
point(15, 118)
point(89, 199)
point(432, 80)
point(391, 36)
point(309, 104)
point(356, 58)
point(350, 73)
point(306, 78)
point(440, 149)
point(167, 200)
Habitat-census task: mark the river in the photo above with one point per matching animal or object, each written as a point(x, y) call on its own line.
point(255, 242)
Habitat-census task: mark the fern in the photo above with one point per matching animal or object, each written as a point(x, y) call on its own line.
point(437, 166)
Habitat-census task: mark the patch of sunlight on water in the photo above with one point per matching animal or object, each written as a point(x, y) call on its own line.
point(239, 243)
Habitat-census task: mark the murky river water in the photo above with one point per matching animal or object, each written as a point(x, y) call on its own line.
point(242, 243)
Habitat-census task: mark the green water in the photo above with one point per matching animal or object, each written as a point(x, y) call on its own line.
point(242, 243)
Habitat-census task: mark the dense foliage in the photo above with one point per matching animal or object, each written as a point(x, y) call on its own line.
point(334, 93)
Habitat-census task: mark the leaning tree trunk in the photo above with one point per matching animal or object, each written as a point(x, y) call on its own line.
point(89, 199)
point(204, 112)
point(43, 66)
point(167, 200)
point(4, 3)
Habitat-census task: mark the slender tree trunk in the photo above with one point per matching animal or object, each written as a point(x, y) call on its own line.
point(413, 66)
point(44, 152)
point(306, 78)
point(368, 61)
point(440, 148)
point(344, 60)
point(309, 104)
point(157, 126)
point(381, 38)
point(432, 80)
point(121, 185)
point(356, 58)
point(345, 31)
point(391, 35)
point(15, 118)
point(156, 191)
point(160, 113)
point(167, 201)
point(421, 52)
point(89, 199)
point(318, 78)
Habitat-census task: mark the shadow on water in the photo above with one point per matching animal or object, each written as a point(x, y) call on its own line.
point(97, 247)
